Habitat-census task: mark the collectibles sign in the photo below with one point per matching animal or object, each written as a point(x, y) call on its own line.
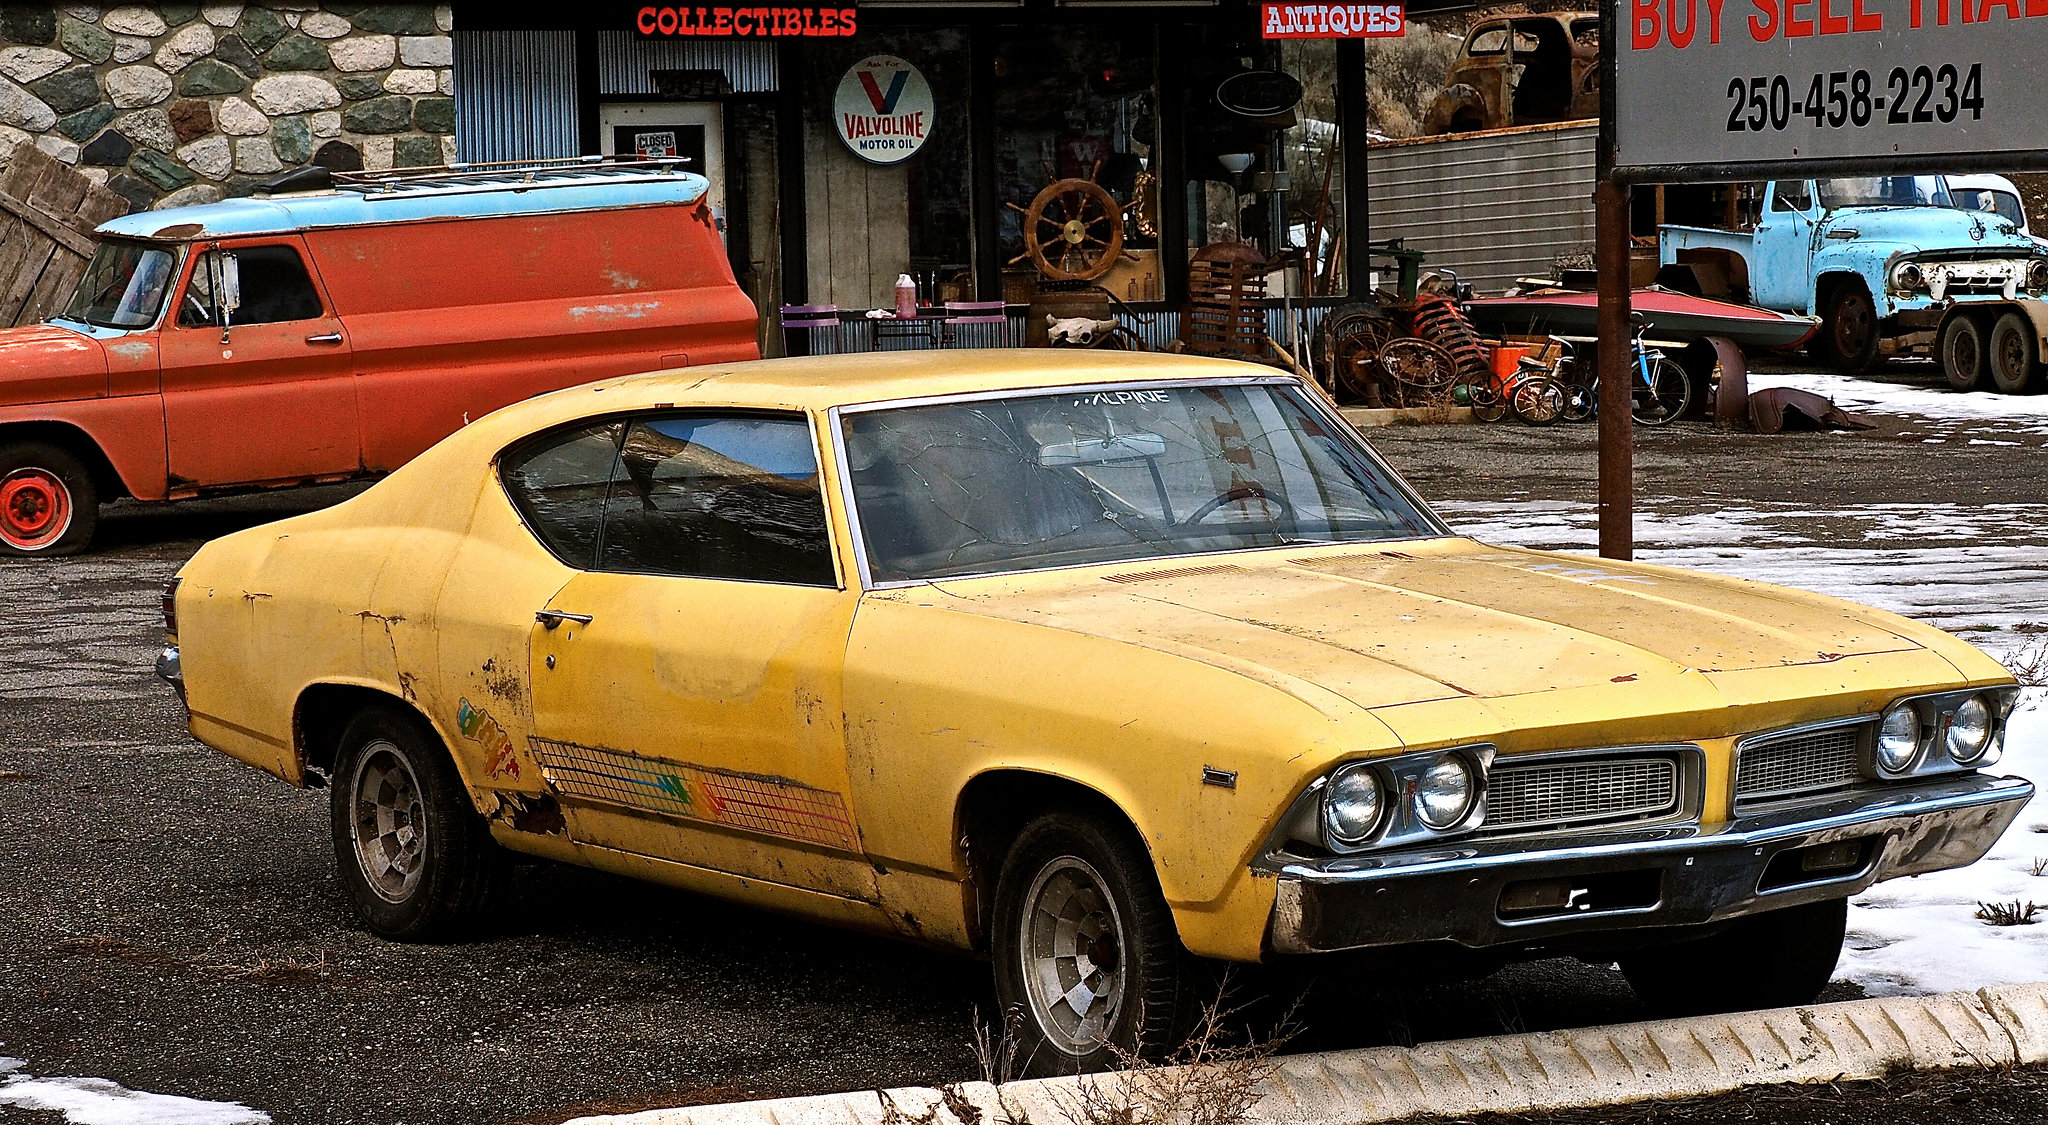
point(1332, 21)
point(1728, 88)
point(745, 22)
point(883, 110)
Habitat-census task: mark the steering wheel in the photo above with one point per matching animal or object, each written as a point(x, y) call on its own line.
point(1247, 491)
point(194, 313)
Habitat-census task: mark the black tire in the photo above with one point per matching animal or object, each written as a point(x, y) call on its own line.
point(1962, 351)
point(1849, 329)
point(1668, 396)
point(49, 504)
point(1580, 403)
point(1537, 401)
point(1779, 959)
point(439, 866)
point(1126, 941)
point(2012, 355)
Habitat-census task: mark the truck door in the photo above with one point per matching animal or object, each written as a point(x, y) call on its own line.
point(1781, 270)
point(263, 392)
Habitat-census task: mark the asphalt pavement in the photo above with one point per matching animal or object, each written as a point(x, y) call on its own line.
point(170, 921)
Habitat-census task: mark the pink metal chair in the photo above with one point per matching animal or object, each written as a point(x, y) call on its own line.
point(808, 317)
point(987, 324)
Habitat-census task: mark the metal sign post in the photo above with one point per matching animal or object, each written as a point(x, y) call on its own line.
point(1611, 356)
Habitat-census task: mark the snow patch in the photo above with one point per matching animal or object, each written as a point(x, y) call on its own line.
point(2027, 414)
point(97, 1101)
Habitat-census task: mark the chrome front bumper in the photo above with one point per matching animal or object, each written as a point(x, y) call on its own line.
point(1491, 892)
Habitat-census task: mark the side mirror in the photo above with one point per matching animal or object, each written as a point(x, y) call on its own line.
point(230, 281)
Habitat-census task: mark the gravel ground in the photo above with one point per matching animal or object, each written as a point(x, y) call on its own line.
point(169, 919)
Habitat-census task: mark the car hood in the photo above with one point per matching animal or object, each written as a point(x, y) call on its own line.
point(1451, 619)
point(45, 363)
point(1931, 228)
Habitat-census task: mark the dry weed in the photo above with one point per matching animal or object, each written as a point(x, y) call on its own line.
point(2029, 662)
point(2007, 913)
point(2040, 866)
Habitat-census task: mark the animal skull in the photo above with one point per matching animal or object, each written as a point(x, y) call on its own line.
point(1077, 331)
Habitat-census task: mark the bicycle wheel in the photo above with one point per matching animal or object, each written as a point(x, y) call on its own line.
point(1487, 404)
point(1580, 402)
point(1538, 401)
point(1665, 398)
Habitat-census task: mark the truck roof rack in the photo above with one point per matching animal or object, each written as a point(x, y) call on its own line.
point(505, 174)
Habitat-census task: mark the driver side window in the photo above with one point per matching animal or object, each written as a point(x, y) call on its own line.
point(1791, 195)
point(275, 288)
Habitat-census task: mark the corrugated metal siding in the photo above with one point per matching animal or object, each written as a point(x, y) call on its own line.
point(515, 94)
point(623, 62)
point(1494, 207)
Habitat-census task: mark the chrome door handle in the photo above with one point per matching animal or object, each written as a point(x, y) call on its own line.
point(325, 338)
point(553, 618)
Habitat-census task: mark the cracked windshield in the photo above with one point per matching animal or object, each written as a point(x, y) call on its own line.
point(1103, 475)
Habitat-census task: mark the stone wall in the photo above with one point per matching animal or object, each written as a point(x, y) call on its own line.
point(169, 104)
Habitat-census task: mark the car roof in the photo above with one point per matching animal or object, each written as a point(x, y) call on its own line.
point(824, 382)
point(415, 198)
point(1982, 182)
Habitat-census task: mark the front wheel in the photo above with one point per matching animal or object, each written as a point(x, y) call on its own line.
point(1538, 401)
point(1665, 397)
point(1849, 330)
point(417, 861)
point(1085, 950)
point(1780, 959)
point(48, 503)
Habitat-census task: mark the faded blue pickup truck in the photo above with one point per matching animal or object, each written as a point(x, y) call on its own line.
point(1893, 267)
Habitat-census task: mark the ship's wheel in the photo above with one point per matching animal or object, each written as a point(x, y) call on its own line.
point(1073, 230)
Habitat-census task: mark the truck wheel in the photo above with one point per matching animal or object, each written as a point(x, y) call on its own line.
point(48, 502)
point(416, 860)
point(1962, 352)
point(1779, 959)
point(2012, 354)
point(1086, 954)
point(1849, 330)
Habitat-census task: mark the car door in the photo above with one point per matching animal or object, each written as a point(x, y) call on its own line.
point(269, 396)
point(686, 687)
point(1780, 277)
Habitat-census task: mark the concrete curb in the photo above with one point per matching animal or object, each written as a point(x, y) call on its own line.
point(1679, 1058)
point(1366, 419)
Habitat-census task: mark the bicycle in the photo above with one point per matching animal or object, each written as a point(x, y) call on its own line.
point(1531, 393)
point(1661, 391)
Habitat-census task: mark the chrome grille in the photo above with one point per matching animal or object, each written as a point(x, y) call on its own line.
point(1800, 762)
point(1581, 791)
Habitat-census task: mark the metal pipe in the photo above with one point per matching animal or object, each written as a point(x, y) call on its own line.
point(1617, 378)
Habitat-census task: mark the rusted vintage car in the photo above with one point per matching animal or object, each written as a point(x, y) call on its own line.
point(332, 330)
point(1097, 663)
point(1526, 69)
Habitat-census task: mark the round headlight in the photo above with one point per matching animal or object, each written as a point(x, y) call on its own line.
point(1908, 276)
point(1444, 793)
point(2037, 274)
point(1969, 731)
point(1898, 739)
point(1351, 805)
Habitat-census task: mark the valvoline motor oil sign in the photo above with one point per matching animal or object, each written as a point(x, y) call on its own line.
point(883, 109)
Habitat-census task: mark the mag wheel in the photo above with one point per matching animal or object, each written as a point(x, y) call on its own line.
point(1667, 396)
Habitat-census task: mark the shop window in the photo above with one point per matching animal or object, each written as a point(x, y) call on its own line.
point(1074, 106)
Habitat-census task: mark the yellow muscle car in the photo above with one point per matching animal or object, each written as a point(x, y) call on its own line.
point(1098, 663)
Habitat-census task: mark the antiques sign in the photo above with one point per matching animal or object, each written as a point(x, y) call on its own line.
point(745, 23)
point(1739, 88)
point(1332, 21)
point(883, 109)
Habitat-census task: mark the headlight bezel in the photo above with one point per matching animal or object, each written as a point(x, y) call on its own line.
point(1398, 777)
point(2037, 274)
point(1338, 780)
point(1934, 715)
point(1908, 277)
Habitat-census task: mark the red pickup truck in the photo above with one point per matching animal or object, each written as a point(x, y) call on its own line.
point(308, 336)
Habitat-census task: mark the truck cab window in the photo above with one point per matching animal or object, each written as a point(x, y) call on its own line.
point(123, 286)
point(1791, 195)
point(275, 289)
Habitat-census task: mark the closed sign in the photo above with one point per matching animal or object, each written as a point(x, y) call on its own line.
point(883, 109)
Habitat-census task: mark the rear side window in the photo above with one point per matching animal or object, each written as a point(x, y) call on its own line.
point(719, 496)
point(559, 486)
point(731, 496)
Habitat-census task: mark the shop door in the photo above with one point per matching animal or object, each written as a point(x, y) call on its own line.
point(694, 131)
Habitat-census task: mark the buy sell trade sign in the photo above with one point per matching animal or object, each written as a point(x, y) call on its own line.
point(1737, 89)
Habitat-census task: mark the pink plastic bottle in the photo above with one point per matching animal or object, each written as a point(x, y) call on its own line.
point(906, 296)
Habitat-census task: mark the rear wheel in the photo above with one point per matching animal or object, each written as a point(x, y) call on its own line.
point(48, 503)
point(1962, 352)
point(1085, 950)
point(2012, 356)
point(1779, 959)
point(417, 861)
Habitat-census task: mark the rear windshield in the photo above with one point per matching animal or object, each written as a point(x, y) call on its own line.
point(123, 287)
